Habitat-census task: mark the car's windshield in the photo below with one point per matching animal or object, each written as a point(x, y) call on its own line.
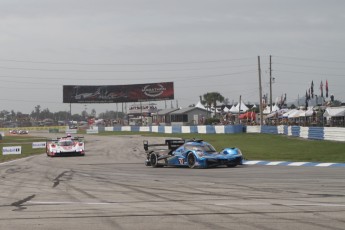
point(66, 143)
point(204, 148)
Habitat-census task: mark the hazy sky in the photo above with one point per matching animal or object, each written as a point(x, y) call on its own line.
point(200, 45)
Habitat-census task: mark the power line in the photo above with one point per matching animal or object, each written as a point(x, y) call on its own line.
point(310, 59)
point(309, 66)
point(311, 73)
point(185, 77)
point(127, 64)
point(121, 71)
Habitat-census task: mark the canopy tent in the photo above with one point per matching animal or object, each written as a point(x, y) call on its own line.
point(267, 110)
point(226, 109)
point(296, 113)
point(277, 114)
point(286, 115)
point(309, 112)
point(250, 115)
point(235, 109)
point(334, 112)
point(199, 105)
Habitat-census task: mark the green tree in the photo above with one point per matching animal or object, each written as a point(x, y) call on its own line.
point(336, 103)
point(93, 113)
point(212, 98)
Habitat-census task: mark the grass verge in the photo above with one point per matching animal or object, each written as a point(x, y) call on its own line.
point(268, 147)
point(25, 142)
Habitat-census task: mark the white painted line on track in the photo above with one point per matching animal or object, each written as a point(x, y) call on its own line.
point(275, 162)
point(317, 204)
point(284, 204)
point(71, 202)
point(297, 163)
point(324, 164)
point(251, 162)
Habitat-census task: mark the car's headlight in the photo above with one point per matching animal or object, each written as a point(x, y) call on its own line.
point(200, 153)
point(239, 152)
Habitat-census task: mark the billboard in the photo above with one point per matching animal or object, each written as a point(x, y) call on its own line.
point(118, 93)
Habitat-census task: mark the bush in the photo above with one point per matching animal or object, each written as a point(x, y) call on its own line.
point(212, 121)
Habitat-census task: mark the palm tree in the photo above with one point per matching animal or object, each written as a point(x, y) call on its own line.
point(212, 98)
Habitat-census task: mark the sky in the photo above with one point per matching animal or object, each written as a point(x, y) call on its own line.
point(200, 45)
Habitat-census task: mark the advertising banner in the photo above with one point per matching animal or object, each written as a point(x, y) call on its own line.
point(118, 93)
point(39, 145)
point(11, 150)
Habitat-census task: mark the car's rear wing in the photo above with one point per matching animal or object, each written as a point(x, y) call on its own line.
point(171, 143)
point(81, 139)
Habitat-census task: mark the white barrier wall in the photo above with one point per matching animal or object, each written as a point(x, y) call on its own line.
point(126, 128)
point(202, 129)
point(253, 129)
point(168, 129)
point(219, 129)
point(154, 129)
point(185, 129)
point(304, 132)
point(281, 129)
point(318, 133)
point(144, 129)
point(334, 134)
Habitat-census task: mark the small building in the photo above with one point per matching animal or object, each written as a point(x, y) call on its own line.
point(141, 114)
point(189, 116)
point(162, 117)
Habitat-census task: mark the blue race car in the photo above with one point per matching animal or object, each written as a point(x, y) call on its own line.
point(190, 153)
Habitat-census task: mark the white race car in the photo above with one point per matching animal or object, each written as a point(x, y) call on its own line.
point(66, 146)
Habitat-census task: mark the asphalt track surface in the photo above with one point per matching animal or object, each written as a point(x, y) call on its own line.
point(111, 188)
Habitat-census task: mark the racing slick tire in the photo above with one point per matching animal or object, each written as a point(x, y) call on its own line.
point(154, 160)
point(191, 160)
point(231, 166)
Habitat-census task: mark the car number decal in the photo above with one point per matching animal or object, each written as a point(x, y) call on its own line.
point(181, 161)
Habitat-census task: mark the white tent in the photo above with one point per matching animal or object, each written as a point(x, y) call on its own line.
point(267, 110)
point(277, 113)
point(334, 112)
point(307, 113)
point(286, 115)
point(296, 113)
point(235, 109)
point(226, 109)
point(199, 105)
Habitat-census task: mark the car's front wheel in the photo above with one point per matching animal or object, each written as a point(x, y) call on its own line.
point(153, 160)
point(191, 160)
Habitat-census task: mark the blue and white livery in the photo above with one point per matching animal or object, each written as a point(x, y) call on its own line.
point(192, 154)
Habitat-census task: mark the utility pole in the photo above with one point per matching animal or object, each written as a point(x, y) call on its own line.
point(70, 110)
point(239, 109)
point(270, 83)
point(260, 92)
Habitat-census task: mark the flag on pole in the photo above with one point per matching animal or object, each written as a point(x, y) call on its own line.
point(326, 88)
point(312, 89)
point(321, 88)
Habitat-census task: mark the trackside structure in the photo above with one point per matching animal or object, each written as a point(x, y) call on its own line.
point(316, 133)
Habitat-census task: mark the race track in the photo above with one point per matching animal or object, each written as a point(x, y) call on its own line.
point(111, 188)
